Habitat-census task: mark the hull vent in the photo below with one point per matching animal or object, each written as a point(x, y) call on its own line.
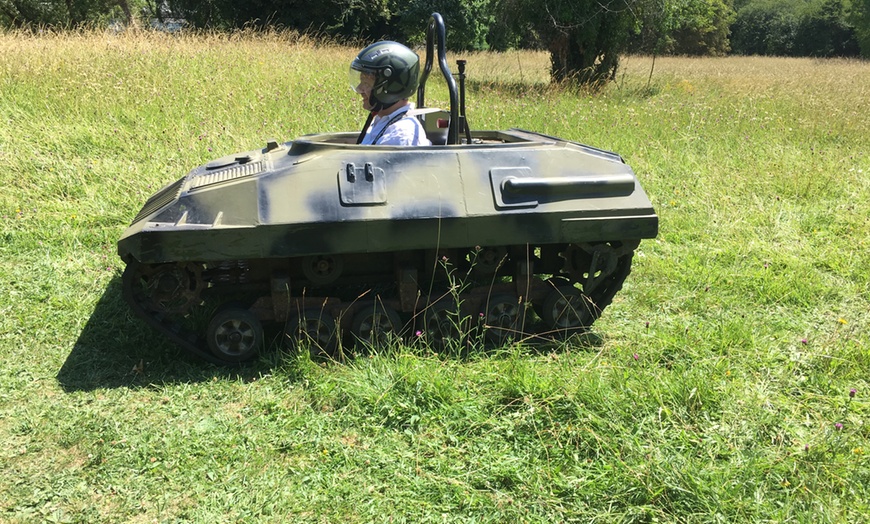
point(225, 175)
point(163, 197)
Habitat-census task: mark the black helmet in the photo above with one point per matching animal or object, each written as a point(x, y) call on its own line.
point(395, 70)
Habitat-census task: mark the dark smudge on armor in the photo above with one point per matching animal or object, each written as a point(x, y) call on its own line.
point(427, 210)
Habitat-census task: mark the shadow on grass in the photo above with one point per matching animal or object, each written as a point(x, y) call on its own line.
point(116, 349)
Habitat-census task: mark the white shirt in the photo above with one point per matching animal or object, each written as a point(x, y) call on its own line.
point(403, 131)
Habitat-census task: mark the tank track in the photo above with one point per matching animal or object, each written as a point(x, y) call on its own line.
point(217, 310)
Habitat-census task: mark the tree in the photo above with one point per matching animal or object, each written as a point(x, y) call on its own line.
point(689, 27)
point(701, 27)
point(468, 21)
point(824, 31)
point(348, 18)
point(20, 13)
point(57, 13)
point(584, 37)
point(860, 19)
point(788, 28)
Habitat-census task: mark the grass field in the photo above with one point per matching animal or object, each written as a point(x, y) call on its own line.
point(728, 382)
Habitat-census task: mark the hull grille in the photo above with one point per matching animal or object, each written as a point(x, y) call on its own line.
point(224, 175)
point(163, 197)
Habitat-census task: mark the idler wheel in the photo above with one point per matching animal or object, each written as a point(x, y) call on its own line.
point(504, 316)
point(234, 334)
point(312, 328)
point(375, 324)
point(565, 310)
point(486, 261)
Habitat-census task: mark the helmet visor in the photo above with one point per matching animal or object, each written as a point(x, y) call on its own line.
point(361, 81)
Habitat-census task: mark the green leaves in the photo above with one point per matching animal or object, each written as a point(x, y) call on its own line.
point(815, 28)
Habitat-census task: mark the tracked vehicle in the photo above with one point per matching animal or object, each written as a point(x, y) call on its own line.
point(325, 242)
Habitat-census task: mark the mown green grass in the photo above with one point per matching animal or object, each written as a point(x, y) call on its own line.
point(710, 391)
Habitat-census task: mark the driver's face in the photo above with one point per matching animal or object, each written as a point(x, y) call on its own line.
point(366, 81)
point(364, 88)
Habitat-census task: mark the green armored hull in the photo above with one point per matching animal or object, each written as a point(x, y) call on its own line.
point(321, 196)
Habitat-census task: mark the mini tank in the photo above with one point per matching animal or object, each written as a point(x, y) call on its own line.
point(324, 242)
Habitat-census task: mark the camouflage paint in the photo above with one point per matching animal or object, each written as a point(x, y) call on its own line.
point(321, 194)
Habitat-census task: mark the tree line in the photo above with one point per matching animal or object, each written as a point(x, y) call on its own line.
point(584, 37)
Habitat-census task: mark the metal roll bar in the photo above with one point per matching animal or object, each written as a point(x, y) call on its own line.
point(437, 29)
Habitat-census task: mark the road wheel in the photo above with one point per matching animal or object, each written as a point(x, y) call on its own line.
point(504, 317)
point(375, 325)
point(443, 326)
point(314, 329)
point(234, 334)
point(565, 310)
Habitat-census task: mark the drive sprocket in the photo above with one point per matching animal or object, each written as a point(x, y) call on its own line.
point(590, 264)
point(173, 288)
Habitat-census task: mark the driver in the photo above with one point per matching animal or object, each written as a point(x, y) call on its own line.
point(385, 74)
